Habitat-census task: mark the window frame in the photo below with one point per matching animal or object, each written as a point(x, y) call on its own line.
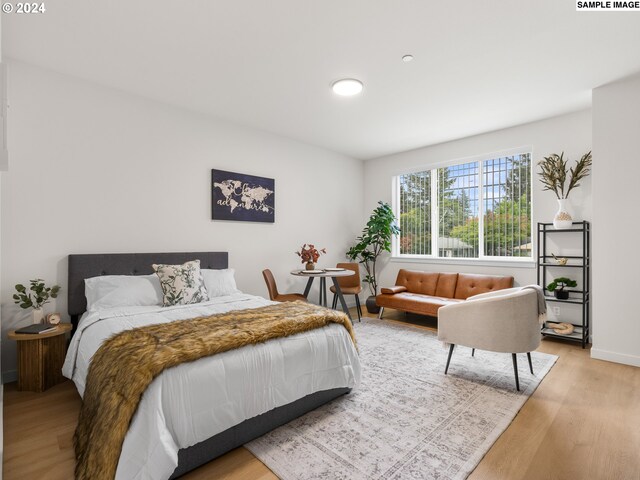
point(481, 259)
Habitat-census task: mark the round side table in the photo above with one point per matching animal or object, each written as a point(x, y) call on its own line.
point(40, 358)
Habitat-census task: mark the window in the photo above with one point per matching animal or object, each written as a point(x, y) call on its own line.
point(479, 209)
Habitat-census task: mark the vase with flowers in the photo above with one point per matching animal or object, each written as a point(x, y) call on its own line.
point(309, 255)
point(35, 297)
point(554, 174)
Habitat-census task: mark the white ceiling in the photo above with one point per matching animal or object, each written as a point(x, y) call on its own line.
point(479, 65)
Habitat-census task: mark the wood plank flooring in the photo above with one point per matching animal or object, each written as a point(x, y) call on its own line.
point(583, 422)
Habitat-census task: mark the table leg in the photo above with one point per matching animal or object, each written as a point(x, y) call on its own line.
point(308, 287)
point(340, 297)
point(322, 285)
point(324, 291)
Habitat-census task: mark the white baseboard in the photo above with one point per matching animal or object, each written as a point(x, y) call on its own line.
point(623, 358)
point(10, 376)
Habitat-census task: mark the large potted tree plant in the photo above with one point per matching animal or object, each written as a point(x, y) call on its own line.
point(375, 239)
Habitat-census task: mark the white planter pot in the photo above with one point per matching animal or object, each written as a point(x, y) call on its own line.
point(562, 219)
point(38, 315)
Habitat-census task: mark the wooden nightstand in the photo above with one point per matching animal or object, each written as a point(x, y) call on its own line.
point(40, 358)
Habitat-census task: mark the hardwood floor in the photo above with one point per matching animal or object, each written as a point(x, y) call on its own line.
point(583, 422)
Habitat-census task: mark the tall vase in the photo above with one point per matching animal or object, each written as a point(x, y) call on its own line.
point(38, 315)
point(562, 220)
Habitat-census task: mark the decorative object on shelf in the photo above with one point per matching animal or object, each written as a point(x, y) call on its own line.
point(553, 175)
point(309, 255)
point(240, 197)
point(557, 287)
point(561, 328)
point(53, 318)
point(559, 260)
point(562, 220)
point(36, 297)
point(375, 239)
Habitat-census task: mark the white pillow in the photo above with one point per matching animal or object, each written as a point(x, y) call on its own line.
point(220, 283)
point(109, 291)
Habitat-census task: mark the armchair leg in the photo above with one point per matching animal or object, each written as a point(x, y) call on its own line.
point(358, 309)
point(446, 369)
point(530, 364)
point(515, 370)
point(473, 352)
point(381, 312)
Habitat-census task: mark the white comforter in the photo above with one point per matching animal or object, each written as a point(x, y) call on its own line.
point(194, 401)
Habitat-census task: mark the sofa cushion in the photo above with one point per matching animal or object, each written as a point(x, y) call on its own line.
point(447, 285)
point(469, 284)
point(414, 302)
point(418, 282)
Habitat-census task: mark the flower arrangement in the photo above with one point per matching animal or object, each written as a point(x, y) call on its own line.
point(553, 173)
point(309, 253)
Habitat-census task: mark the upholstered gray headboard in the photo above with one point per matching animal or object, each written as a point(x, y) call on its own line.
point(93, 265)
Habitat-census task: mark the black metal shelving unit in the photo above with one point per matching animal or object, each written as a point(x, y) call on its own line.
point(577, 262)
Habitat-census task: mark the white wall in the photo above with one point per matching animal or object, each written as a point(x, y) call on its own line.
point(616, 125)
point(1, 386)
point(95, 170)
point(569, 133)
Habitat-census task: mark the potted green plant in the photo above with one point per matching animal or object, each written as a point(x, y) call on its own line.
point(36, 297)
point(375, 239)
point(557, 287)
point(553, 175)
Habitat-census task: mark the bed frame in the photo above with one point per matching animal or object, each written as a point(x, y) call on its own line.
point(93, 265)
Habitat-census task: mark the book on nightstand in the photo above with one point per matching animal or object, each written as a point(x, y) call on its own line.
point(37, 328)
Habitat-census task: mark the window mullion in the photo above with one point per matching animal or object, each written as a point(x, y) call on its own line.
point(435, 219)
point(480, 209)
point(397, 211)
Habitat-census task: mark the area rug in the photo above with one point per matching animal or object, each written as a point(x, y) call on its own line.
point(406, 419)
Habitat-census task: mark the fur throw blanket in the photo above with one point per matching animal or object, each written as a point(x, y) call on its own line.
point(125, 365)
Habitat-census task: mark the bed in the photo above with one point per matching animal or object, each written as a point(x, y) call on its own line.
point(183, 422)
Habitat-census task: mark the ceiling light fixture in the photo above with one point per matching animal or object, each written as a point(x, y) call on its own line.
point(347, 87)
point(407, 58)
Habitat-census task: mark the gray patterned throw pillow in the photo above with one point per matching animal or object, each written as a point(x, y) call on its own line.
point(181, 284)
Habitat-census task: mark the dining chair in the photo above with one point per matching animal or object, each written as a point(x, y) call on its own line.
point(273, 290)
point(349, 285)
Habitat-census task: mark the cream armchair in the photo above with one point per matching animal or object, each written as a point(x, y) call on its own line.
point(501, 321)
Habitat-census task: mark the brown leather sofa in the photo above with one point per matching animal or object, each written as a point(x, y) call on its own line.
point(425, 292)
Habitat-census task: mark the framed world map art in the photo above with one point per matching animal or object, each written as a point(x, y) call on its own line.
point(240, 197)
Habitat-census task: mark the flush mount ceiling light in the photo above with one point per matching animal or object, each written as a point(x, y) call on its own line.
point(347, 87)
point(407, 58)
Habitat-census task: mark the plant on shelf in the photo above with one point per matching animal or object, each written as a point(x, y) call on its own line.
point(309, 254)
point(554, 175)
point(36, 297)
point(375, 239)
point(557, 287)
